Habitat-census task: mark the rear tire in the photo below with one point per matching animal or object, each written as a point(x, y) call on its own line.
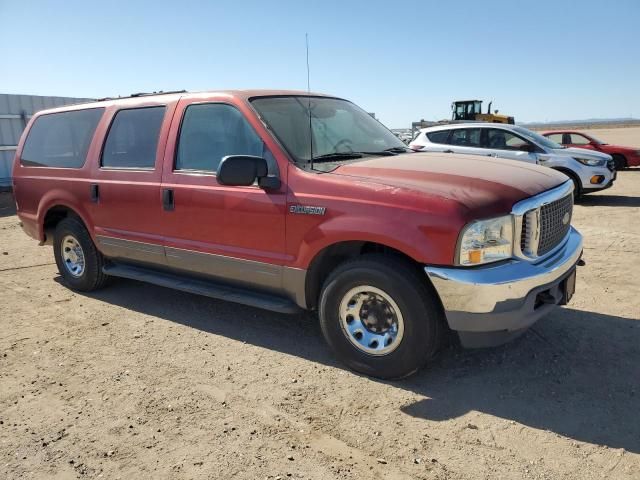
point(383, 291)
point(620, 161)
point(79, 262)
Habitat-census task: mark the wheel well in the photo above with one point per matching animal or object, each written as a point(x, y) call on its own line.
point(51, 219)
point(622, 157)
point(569, 174)
point(333, 255)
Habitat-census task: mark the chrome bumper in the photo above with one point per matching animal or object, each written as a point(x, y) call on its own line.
point(490, 305)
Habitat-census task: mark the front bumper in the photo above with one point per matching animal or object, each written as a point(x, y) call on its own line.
point(609, 175)
point(492, 304)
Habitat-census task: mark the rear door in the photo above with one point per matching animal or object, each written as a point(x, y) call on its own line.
point(505, 144)
point(125, 186)
point(465, 140)
point(236, 234)
point(435, 141)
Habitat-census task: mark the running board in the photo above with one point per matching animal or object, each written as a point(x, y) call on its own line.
point(204, 287)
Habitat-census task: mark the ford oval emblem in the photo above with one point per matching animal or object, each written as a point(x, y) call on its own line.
point(566, 218)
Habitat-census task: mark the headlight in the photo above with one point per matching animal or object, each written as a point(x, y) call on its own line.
point(592, 162)
point(486, 241)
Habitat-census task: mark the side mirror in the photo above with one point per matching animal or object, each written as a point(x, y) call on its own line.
point(527, 147)
point(245, 170)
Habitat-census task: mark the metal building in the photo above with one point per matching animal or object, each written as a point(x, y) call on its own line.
point(15, 112)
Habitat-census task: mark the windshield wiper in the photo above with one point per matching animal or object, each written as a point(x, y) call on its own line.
point(398, 150)
point(338, 156)
point(388, 152)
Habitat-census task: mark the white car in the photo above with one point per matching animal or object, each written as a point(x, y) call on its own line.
point(590, 171)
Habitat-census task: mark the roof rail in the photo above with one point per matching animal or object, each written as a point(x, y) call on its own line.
point(141, 94)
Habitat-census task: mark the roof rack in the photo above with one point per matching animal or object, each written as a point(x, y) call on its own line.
point(141, 94)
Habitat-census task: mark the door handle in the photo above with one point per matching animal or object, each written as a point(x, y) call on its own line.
point(94, 192)
point(168, 202)
point(448, 151)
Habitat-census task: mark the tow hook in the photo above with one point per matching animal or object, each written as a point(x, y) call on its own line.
point(581, 262)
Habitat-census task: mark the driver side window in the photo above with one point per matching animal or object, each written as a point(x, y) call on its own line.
point(210, 132)
point(577, 139)
point(504, 140)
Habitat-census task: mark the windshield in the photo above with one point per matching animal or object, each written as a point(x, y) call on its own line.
point(537, 138)
point(339, 129)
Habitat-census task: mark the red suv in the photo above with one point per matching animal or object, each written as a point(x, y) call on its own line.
point(622, 156)
point(289, 201)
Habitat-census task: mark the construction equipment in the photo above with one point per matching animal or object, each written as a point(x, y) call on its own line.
point(466, 110)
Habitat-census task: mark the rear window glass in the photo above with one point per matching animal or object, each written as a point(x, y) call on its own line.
point(61, 139)
point(132, 141)
point(438, 137)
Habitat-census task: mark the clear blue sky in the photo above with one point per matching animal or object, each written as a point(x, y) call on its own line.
point(538, 60)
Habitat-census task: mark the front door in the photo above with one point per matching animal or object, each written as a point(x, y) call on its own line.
point(579, 141)
point(233, 233)
point(505, 144)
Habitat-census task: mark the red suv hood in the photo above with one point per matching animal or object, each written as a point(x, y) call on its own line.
point(488, 186)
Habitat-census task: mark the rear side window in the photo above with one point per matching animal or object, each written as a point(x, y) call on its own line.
point(212, 131)
point(438, 137)
point(61, 139)
point(555, 137)
point(132, 141)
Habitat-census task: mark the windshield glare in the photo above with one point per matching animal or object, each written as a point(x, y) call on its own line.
point(337, 126)
point(537, 138)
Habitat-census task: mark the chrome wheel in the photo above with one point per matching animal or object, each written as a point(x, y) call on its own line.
point(72, 255)
point(371, 320)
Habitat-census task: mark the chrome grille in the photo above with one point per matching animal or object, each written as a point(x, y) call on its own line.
point(555, 220)
point(543, 221)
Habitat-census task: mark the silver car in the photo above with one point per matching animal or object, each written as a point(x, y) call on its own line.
point(590, 171)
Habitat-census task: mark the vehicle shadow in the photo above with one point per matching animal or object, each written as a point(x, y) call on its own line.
point(7, 204)
point(609, 201)
point(576, 373)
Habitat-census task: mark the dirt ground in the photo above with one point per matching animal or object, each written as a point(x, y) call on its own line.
point(138, 381)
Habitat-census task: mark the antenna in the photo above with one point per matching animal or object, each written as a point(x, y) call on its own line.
point(306, 38)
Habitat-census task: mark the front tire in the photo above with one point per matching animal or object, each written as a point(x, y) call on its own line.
point(380, 316)
point(619, 161)
point(79, 262)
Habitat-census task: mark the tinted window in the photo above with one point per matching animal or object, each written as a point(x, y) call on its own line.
point(465, 137)
point(504, 140)
point(212, 131)
point(132, 141)
point(579, 139)
point(438, 137)
point(61, 139)
point(555, 137)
